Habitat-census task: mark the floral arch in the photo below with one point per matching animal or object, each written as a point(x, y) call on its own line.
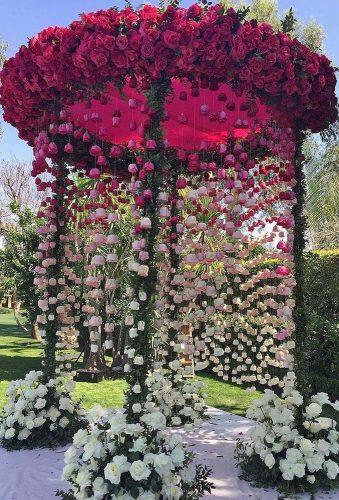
point(190, 123)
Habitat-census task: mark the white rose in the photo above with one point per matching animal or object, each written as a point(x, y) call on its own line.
point(10, 433)
point(178, 456)
point(84, 477)
point(139, 445)
point(70, 454)
point(39, 421)
point(117, 423)
point(269, 460)
point(321, 398)
point(138, 360)
point(315, 462)
point(139, 470)
point(313, 410)
point(136, 408)
point(331, 468)
point(162, 463)
point(100, 488)
point(67, 471)
point(24, 434)
point(40, 403)
point(173, 491)
point(147, 495)
point(80, 438)
point(306, 447)
point(114, 469)
point(30, 424)
point(63, 422)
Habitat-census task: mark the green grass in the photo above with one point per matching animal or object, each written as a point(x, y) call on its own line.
point(20, 354)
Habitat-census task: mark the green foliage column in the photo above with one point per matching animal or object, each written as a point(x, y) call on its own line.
point(301, 356)
point(142, 343)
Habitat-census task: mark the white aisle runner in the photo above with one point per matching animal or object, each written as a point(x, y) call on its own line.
point(35, 474)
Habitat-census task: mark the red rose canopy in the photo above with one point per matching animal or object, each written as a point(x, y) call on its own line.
point(209, 51)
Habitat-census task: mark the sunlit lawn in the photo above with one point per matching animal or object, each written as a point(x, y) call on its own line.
point(20, 354)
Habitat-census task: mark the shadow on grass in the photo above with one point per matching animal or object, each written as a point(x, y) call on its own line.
point(14, 367)
point(21, 347)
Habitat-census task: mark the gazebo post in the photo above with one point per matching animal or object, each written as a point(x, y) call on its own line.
point(55, 273)
point(301, 358)
point(142, 343)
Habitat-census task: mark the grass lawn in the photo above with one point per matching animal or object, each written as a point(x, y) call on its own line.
point(20, 354)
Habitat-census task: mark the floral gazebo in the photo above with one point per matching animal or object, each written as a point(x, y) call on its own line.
point(189, 123)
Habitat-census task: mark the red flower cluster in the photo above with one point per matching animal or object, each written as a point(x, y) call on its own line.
point(62, 65)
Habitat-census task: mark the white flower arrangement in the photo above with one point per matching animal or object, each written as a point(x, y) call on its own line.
point(182, 402)
point(38, 414)
point(285, 450)
point(128, 460)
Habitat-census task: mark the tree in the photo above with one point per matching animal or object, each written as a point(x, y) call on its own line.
point(17, 262)
point(311, 33)
point(19, 202)
point(3, 51)
point(17, 189)
point(322, 201)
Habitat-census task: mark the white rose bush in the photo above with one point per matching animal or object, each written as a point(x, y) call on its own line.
point(181, 402)
point(281, 450)
point(39, 414)
point(117, 459)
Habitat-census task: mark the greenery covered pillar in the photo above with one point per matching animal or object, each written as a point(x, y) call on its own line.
point(55, 279)
point(144, 280)
point(301, 357)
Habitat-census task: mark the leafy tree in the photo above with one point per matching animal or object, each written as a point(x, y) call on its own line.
point(17, 262)
point(311, 33)
point(322, 202)
point(3, 51)
point(17, 188)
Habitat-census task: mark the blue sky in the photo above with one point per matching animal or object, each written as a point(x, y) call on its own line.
point(21, 19)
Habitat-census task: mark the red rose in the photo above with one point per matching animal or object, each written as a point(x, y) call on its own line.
point(160, 63)
point(134, 39)
point(194, 11)
point(131, 54)
point(245, 74)
point(119, 59)
point(304, 86)
point(171, 39)
point(121, 41)
point(290, 87)
point(270, 58)
point(147, 49)
point(273, 88)
point(255, 64)
point(99, 57)
point(322, 81)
